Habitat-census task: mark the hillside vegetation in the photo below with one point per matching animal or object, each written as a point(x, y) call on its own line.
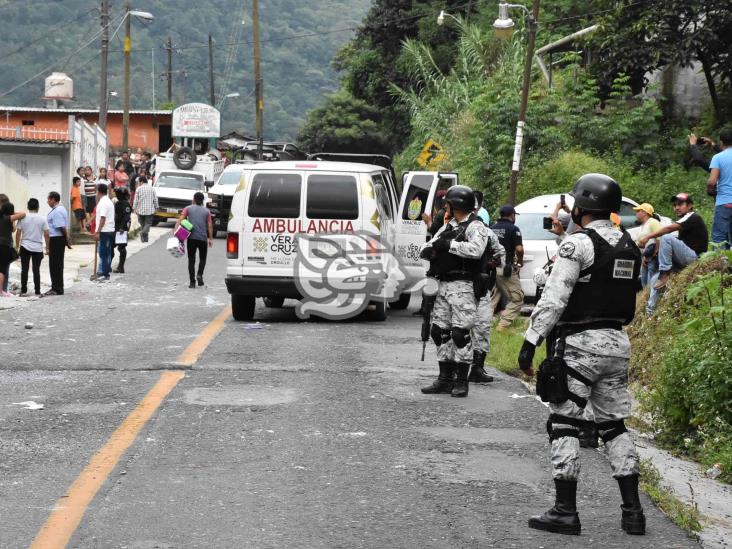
point(296, 71)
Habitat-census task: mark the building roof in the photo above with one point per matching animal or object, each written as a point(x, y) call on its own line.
point(35, 141)
point(81, 111)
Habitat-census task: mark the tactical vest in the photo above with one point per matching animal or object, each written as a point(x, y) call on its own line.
point(614, 281)
point(448, 266)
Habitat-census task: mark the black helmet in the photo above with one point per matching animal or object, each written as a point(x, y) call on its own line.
point(461, 198)
point(595, 192)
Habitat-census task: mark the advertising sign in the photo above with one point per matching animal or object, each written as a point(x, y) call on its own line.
point(196, 120)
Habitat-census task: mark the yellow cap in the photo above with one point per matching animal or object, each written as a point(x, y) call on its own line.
point(645, 207)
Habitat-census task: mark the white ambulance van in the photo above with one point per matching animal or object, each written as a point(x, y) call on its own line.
point(277, 201)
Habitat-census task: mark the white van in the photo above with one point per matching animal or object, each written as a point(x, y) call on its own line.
point(276, 201)
point(175, 190)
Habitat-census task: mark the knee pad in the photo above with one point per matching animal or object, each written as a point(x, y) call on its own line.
point(461, 337)
point(555, 432)
point(439, 335)
point(611, 429)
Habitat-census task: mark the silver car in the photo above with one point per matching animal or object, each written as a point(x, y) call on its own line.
point(540, 245)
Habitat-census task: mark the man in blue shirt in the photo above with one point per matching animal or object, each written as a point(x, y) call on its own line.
point(58, 232)
point(720, 181)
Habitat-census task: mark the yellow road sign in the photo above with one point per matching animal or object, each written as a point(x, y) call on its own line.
point(431, 155)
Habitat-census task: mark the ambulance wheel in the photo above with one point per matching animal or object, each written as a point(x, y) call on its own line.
point(242, 307)
point(378, 313)
point(274, 302)
point(401, 303)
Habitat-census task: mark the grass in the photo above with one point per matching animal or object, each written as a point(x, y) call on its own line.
point(687, 517)
point(505, 347)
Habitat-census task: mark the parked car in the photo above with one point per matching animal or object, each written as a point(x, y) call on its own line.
point(540, 245)
point(175, 190)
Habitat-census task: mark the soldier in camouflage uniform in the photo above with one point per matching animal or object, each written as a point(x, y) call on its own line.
point(484, 316)
point(589, 296)
point(455, 253)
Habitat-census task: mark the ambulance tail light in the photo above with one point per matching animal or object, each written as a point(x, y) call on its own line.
point(232, 245)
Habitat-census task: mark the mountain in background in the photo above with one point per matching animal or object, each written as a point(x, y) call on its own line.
point(298, 40)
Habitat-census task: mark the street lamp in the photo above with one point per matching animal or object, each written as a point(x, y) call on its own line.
point(228, 96)
point(504, 27)
point(129, 14)
point(443, 14)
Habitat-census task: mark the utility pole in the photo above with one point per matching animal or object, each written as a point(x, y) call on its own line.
point(169, 47)
point(211, 70)
point(126, 107)
point(258, 79)
point(103, 92)
point(532, 22)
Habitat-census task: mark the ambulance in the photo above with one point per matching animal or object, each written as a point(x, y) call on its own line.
point(276, 202)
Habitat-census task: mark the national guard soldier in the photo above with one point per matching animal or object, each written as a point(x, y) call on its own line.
point(457, 260)
point(589, 296)
point(495, 254)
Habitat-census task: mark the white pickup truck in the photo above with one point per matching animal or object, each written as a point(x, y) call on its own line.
point(175, 190)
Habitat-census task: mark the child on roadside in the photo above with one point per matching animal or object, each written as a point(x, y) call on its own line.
point(76, 204)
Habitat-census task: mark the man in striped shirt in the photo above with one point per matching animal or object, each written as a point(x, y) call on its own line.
point(145, 204)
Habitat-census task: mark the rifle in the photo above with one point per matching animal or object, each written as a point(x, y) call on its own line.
point(429, 294)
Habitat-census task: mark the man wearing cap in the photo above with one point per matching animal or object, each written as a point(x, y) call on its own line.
point(682, 250)
point(508, 282)
point(645, 214)
point(720, 185)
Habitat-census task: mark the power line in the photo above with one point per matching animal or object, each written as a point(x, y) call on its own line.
point(65, 60)
point(44, 36)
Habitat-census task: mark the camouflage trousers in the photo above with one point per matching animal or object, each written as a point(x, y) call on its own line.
point(600, 358)
point(454, 315)
point(482, 326)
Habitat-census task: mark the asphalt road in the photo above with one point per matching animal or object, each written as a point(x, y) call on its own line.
point(284, 434)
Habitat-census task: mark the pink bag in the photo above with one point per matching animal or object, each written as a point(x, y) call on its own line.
point(182, 233)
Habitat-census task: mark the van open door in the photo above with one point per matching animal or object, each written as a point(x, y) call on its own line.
point(418, 196)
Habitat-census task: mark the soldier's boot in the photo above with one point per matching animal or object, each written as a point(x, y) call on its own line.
point(461, 380)
point(477, 372)
point(633, 521)
point(563, 517)
point(444, 381)
point(588, 435)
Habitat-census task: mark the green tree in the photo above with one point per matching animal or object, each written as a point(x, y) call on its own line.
point(344, 124)
point(638, 37)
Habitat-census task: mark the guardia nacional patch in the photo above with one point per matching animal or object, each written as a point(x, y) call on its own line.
point(566, 250)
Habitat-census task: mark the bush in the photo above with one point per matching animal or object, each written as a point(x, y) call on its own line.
point(682, 358)
point(653, 185)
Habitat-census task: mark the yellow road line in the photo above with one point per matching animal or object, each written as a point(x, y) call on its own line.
point(70, 509)
point(190, 356)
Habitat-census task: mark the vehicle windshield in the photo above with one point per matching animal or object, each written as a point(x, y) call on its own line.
point(531, 225)
point(180, 181)
point(230, 178)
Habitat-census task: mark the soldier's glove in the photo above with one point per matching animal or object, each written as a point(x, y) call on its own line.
point(526, 356)
point(441, 245)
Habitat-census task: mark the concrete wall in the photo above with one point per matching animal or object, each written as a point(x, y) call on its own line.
point(687, 88)
point(32, 171)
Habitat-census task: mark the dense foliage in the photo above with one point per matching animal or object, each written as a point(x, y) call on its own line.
point(296, 72)
point(682, 359)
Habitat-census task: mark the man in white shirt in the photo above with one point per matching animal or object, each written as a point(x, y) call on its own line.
point(104, 232)
point(31, 232)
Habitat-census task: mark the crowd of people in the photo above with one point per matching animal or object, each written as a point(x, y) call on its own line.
point(101, 204)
